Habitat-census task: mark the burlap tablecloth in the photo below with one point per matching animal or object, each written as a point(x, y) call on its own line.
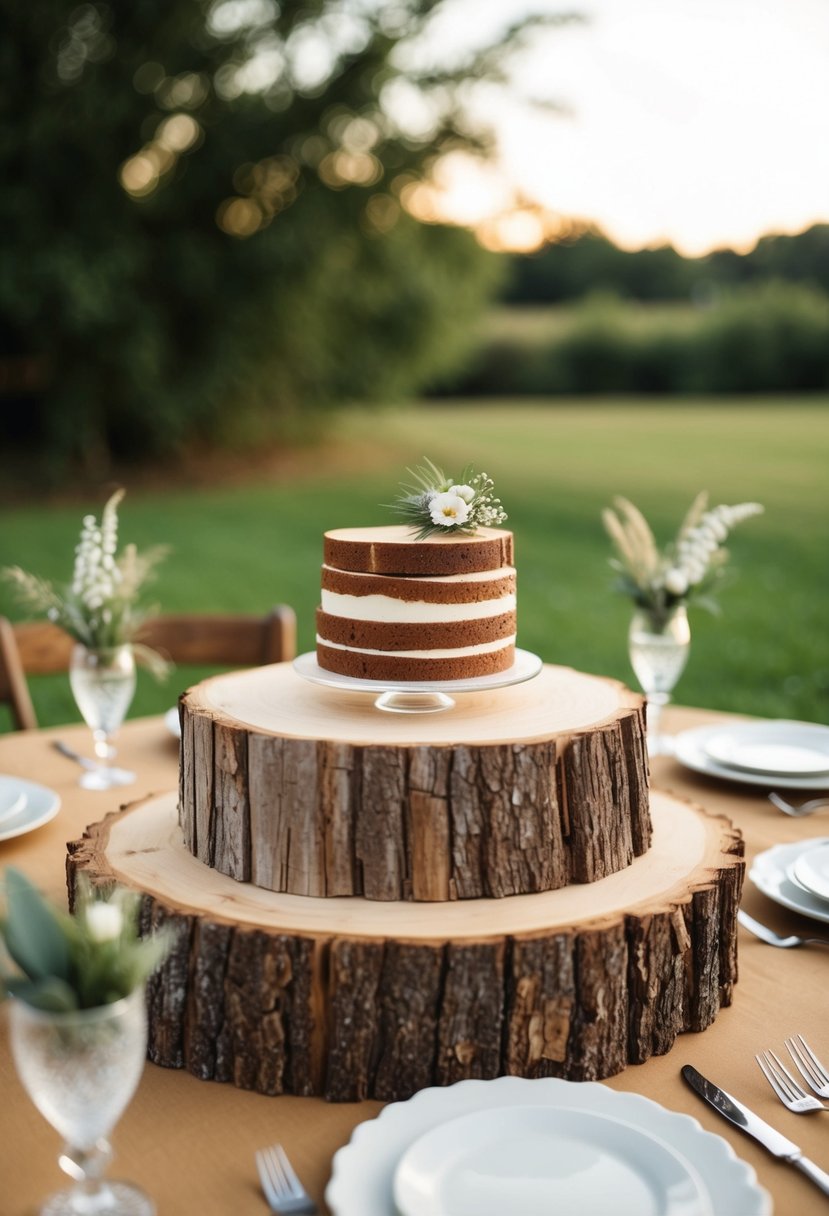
point(190, 1144)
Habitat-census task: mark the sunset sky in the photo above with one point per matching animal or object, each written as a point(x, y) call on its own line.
point(699, 122)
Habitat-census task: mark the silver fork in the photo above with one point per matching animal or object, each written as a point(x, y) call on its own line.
point(777, 939)
point(808, 1065)
point(805, 808)
point(784, 1085)
point(284, 1192)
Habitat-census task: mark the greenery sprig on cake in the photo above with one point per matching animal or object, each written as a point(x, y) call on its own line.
point(436, 504)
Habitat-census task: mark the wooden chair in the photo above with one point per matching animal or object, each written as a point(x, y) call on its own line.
point(40, 648)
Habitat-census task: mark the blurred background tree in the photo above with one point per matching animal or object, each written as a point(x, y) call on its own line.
point(205, 223)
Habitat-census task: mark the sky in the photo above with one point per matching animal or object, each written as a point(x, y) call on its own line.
point(702, 123)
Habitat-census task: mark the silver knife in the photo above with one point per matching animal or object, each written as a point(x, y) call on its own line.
point(753, 1125)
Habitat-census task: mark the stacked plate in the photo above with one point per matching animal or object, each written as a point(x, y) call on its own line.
point(24, 806)
point(484, 1148)
point(796, 876)
point(791, 755)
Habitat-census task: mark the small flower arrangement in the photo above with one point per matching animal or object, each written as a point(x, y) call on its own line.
point(688, 568)
point(91, 958)
point(436, 503)
point(100, 607)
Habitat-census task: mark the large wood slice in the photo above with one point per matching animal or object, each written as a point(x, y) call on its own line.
point(352, 998)
point(313, 791)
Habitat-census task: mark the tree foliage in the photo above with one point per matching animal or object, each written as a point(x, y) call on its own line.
point(204, 217)
point(585, 261)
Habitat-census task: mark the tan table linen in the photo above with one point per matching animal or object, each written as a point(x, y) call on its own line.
point(190, 1143)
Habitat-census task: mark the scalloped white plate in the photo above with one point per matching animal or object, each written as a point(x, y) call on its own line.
point(774, 749)
point(692, 748)
point(12, 797)
point(39, 805)
point(811, 870)
point(541, 1159)
point(772, 872)
point(363, 1178)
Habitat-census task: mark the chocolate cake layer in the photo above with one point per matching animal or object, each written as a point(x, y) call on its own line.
point(470, 588)
point(394, 550)
point(397, 668)
point(397, 635)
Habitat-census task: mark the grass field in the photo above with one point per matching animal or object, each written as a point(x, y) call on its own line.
point(256, 539)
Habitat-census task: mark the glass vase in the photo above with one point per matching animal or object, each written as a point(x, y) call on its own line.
point(103, 685)
point(658, 646)
point(81, 1069)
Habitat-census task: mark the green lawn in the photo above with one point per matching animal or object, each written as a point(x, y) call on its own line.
point(246, 545)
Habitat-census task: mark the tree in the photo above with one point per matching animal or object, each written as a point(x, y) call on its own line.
point(205, 222)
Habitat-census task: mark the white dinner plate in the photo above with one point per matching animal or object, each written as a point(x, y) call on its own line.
point(772, 872)
point(787, 749)
point(173, 722)
point(691, 748)
point(811, 870)
point(39, 806)
point(541, 1159)
point(362, 1181)
point(12, 797)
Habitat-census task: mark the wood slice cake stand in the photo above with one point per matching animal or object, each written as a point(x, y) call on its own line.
point(312, 791)
point(352, 998)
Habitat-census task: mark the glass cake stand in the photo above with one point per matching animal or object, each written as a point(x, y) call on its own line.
point(418, 696)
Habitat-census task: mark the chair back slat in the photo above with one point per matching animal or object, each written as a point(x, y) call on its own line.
point(231, 641)
point(14, 691)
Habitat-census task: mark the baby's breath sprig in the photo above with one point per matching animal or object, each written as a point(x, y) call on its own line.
point(687, 569)
point(100, 607)
point(434, 503)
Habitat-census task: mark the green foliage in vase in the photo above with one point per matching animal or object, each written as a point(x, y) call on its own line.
point(101, 607)
point(82, 961)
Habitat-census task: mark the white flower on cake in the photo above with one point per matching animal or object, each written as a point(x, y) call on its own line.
point(688, 568)
point(448, 510)
point(436, 503)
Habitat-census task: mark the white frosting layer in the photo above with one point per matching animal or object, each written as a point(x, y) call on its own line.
point(478, 576)
point(458, 652)
point(385, 609)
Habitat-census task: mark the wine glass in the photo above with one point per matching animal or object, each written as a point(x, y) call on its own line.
point(80, 1069)
point(103, 685)
point(658, 650)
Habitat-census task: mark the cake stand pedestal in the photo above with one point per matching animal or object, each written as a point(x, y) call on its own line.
point(422, 696)
point(350, 998)
point(297, 787)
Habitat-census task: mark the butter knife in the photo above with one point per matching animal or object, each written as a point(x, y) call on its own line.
point(754, 1126)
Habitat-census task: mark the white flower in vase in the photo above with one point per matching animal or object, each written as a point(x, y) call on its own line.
point(657, 580)
point(104, 921)
point(661, 583)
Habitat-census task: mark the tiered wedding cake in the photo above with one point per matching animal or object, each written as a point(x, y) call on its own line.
point(369, 903)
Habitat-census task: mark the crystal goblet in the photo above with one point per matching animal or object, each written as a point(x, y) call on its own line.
point(658, 647)
point(103, 685)
point(81, 1069)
